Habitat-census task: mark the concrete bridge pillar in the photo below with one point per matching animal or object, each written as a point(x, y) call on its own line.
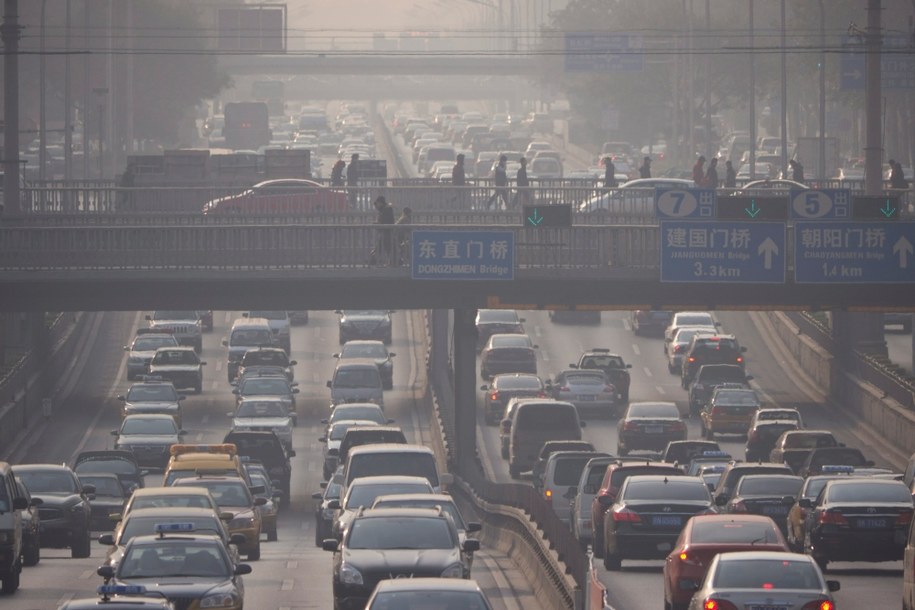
point(858, 331)
point(465, 383)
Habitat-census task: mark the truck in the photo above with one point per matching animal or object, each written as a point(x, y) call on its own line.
point(247, 125)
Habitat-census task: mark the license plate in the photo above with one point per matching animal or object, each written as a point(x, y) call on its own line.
point(872, 523)
point(585, 397)
point(665, 521)
point(767, 607)
point(774, 510)
point(654, 429)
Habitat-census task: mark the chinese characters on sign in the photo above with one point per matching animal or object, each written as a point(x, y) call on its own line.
point(463, 255)
point(863, 252)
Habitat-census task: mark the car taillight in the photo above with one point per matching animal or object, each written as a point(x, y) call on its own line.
point(718, 604)
point(624, 515)
point(630, 425)
point(832, 518)
point(691, 359)
point(904, 518)
point(690, 559)
point(494, 396)
point(609, 389)
point(820, 604)
point(739, 507)
point(563, 389)
point(678, 425)
point(678, 349)
point(754, 436)
point(548, 494)
point(739, 359)
point(716, 411)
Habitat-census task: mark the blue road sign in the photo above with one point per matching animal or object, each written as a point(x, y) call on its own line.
point(854, 253)
point(698, 204)
point(601, 52)
point(463, 255)
point(897, 65)
point(820, 204)
point(738, 252)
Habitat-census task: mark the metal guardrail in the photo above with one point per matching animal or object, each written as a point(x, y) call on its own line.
point(811, 327)
point(588, 250)
point(883, 374)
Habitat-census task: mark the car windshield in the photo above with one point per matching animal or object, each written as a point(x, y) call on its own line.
point(400, 533)
point(251, 336)
point(410, 464)
point(428, 600)
point(364, 495)
point(169, 500)
point(140, 425)
point(512, 341)
point(364, 412)
point(672, 489)
point(364, 350)
point(226, 493)
point(568, 470)
point(770, 414)
point(870, 492)
point(447, 507)
point(47, 481)
point(769, 486)
point(146, 526)
point(737, 398)
point(109, 487)
point(732, 532)
point(161, 392)
point(602, 362)
point(186, 560)
point(271, 386)
point(4, 500)
point(719, 374)
point(270, 315)
point(364, 312)
point(151, 344)
point(685, 335)
point(521, 382)
point(356, 378)
point(497, 316)
point(261, 409)
point(653, 410)
point(184, 356)
point(106, 465)
point(585, 378)
point(806, 440)
point(338, 430)
point(696, 319)
point(596, 475)
point(175, 315)
point(766, 574)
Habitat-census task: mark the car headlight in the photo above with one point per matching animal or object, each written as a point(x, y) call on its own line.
point(219, 600)
point(455, 570)
point(350, 575)
point(239, 522)
point(6, 537)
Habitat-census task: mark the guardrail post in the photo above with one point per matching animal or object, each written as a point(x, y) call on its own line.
point(465, 379)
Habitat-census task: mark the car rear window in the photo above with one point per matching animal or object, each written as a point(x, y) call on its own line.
point(498, 316)
point(809, 441)
point(698, 319)
point(737, 397)
point(400, 533)
point(653, 410)
point(364, 495)
point(546, 418)
point(849, 457)
point(752, 485)
point(688, 489)
point(408, 463)
point(621, 474)
point(766, 574)
point(713, 531)
point(872, 493)
point(717, 374)
point(517, 383)
point(568, 470)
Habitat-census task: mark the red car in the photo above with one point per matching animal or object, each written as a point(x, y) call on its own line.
point(286, 196)
point(705, 536)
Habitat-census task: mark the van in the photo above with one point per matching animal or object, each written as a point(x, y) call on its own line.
point(246, 333)
point(358, 436)
point(356, 380)
point(560, 479)
point(12, 503)
point(534, 422)
point(394, 459)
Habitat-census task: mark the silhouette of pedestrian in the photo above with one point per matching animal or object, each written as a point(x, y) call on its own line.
point(711, 176)
point(523, 194)
point(459, 180)
point(797, 170)
point(897, 176)
point(336, 174)
point(383, 252)
point(730, 176)
point(500, 179)
point(645, 169)
point(352, 181)
point(609, 173)
point(699, 172)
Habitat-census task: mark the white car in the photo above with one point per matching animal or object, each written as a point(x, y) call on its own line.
point(638, 193)
point(264, 413)
point(687, 318)
point(678, 345)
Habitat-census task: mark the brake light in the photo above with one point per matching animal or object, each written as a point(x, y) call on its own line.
point(630, 425)
point(739, 359)
point(718, 604)
point(904, 518)
point(739, 507)
point(609, 389)
point(819, 604)
point(624, 515)
point(690, 559)
point(678, 425)
point(832, 518)
point(548, 494)
point(494, 396)
point(691, 359)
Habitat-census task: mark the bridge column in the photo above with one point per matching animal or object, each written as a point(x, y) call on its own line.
point(858, 331)
point(465, 383)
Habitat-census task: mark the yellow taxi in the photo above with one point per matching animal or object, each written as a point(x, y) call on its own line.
point(194, 460)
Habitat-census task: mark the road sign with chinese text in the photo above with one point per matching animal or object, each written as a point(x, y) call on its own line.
point(603, 52)
point(854, 253)
point(737, 252)
point(462, 255)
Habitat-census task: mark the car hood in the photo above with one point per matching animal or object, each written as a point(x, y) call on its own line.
point(147, 439)
point(401, 560)
point(165, 323)
point(177, 586)
point(151, 406)
point(266, 422)
point(141, 354)
point(153, 368)
point(51, 499)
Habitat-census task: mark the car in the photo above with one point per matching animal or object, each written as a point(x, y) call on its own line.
point(797, 514)
point(109, 498)
point(762, 436)
point(683, 452)
point(264, 489)
point(705, 536)
point(279, 197)
point(587, 389)
point(362, 492)
point(206, 319)
point(246, 334)
point(549, 448)
point(649, 425)
point(496, 321)
point(356, 380)
point(30, 520)
point(734, 471)
point(120, 462)
point(901, 318)
point(324, 514)
point(148, 437)
point(679, 344)
point(373, 434)
point(120, 597)
point(198, 567)
point(264, 413)
point(279, 325)
point(561, 474)
point(711, 376)
point(649, 512)
point(365, 324)
point(267, 448)
point(535, 421)
point(503, 387)
point(365, 411)
point(259, 357)
point(779, 414)
point(793, 446)
point(774, 185)
point(12, 554)
point(142, 349)
point(444, 593)
point(164, 497)
point(179, 365)
point(709, 349)
point(858, 520)
point(508, 353)
point(728, 411)
point(373, 350)
point(688, 318)
point(332, 438)
point(186, 460)
point(64, 509)
point(267, 386)
point(616, 474)
point(770, 495)
point(143, 522)
point(637, 195)
point(152, 395)
point(394, 459)
point(613, 366)
point(649, 321)
point(835, 456)
point(184, 326)
point(580, 504)
point(783, 580)
point(233, 495)
point(395, 543)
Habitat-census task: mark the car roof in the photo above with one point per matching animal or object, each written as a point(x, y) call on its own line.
point(428, 584)
point(400, 511)
point(389, 448)
point(201, 479)
point(148, 416)
point(171, 512)
point(769, 555)
point(388, 479)
point(733, 518)
point(447, 498)
point(170, 491)
point(39, 467)
point(156, 540)
point(571, 455)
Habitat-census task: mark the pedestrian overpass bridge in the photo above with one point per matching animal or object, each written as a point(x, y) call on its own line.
point(390, 63)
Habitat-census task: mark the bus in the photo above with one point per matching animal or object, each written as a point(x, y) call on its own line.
point(247, 125)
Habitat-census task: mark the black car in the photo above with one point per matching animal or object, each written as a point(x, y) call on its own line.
point(373, 350)
point(649, 425)
point(506, 386)
point(735, 471)
point(762, 435)
point(771, 495)
point(649, 512)
point(683, 452)
point(613, 366)
point(324, 515)
point(496, 321)
point(394, 543)
point(152, 395)
point(111, 461)
point(180, 365)
point(31, 526)
point(267, 448)
point(109, 498)
point(648, 321)
point(858, 520)
point(365, 324)
point(833, 456)
point(64, 508)
point(710, 349)
point(711, 376)
point(267, 356)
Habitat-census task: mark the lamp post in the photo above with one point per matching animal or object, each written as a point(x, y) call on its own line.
point(752, 98)
point(821, 166)
point(784, 93)
point(68, 104)
point(100, 93)
point(42, 126)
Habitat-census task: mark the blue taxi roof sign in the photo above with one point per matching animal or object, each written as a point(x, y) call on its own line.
point(714, 468)
point(721, 454)
point(107, 590)
point(837, 469)
point(171, 528)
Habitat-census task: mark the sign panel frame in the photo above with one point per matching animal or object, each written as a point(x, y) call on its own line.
point(876, 252)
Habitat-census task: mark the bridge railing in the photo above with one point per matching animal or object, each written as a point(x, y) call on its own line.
point(330, 247)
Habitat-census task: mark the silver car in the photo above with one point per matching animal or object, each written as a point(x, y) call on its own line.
point(676, 349)
point(560, 475)
point(759, 579)
point(587, 389)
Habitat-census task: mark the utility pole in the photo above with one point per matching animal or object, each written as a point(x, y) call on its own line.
point(42, 103)
point(821, 166)
point(752, 97)
point(68, 104)
point(784, 95)
point(709, 153)
point(873, 147)
point(690, 85)
point(9, 33)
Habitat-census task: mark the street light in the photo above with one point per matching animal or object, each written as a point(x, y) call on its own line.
point(100, 93)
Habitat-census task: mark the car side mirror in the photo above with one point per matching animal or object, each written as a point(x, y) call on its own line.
point(869, 463)
point(260, 501)
point(749, 378)
point(35, 502)
point(473, 526)
point(628, 366)
point(833, 585)
point(334, 451)
point(788, 500)
point(390, 421)
point(571, 492)
point(235, 391)
point(106, 539)
point(291, 453)
point(333, 504)
point(20, 503)
point(114, 433)
point(805, 503)
point(335, 355)
point(227, 516)
point(181, 397)
point(484, 387)
point(471, 545)
point(330, 384)
point(242, 568)
point(182, 432)
point(317, 495)
point(122, 398)
point(225, 342)
point(114, 517)
point(89, 489)
point(573, 366)
point(583, 424)
point(323, 484)
point(391, 354)
point(295, 390)
point(605, 500)
point(203, 363)
point(721, 500)
point(106, 572)
point(330, 545)
point(322, 439)
point(148, 318)
point(126, 348)
point(292, 363)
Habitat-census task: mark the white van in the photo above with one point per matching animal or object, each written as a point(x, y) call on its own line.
point(394, 459)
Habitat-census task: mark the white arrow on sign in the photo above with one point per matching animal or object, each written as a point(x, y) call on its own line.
point(767, 248)
point(903, 247)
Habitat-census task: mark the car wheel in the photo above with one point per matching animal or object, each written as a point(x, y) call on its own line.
point(612, 562)
point(514, 472)
point(31, 554)
point(271, 534)
point(81, 547)
point(10, 582)
point(255, 553)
